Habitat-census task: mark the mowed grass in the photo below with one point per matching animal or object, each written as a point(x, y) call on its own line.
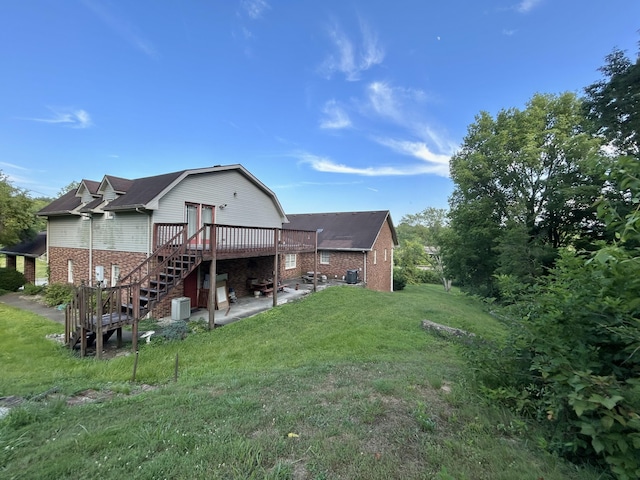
point(343, 384)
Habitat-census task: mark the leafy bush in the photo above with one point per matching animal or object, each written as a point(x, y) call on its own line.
point(399, 279)
point(175, 331)
point(11, 280)
point(58, 294)
point(429, 276)
point(31, 289)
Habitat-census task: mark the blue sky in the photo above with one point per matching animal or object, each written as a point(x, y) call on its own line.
point(336, 105)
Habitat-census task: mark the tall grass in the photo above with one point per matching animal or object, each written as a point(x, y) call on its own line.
point(343, 384)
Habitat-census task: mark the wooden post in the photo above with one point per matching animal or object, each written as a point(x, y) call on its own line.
point(135, 311)
point(275, 267)
point(98, 322)
point(82, 313)
point(212, 279)
point(175, 371)
point(315, 264)
point(135, 367)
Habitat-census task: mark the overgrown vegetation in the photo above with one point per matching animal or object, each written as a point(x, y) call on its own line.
point(566, 274)
point(11, 280)
point(343, 384)
point(58, 294)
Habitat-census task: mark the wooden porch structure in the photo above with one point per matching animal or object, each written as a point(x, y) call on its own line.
point(97, 312)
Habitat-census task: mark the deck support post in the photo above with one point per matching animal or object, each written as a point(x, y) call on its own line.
point(98, 324)
point(212, 279)
point(275, 267)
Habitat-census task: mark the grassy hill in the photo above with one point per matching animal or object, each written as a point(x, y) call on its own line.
point(343, 384)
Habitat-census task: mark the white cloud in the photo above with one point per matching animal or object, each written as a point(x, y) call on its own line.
point(393, 103)
point(508, 32)
point(12, 165)
point(525, 6)
point(255, 8)
point(323, 164)
point(349, 58)
point(335, 117)
point(74, 118)
point(124, 29)
point(439, 163)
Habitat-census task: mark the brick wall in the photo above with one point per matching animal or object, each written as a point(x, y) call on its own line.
point(378, 269)
point(30, 269)
point(59, 259)
point(379, 276)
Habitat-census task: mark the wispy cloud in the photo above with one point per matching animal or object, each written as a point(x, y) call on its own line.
point(435, 162)
point(335, 117)
point(508, 32)
point(525, 6)
point(393, 103)
point(350, 58)
point(327, 165)
point(122, 27)
point(255, 8)
point(13, 165)
point(74, 118)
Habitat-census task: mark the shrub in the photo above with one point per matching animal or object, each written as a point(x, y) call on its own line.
point(429, 276)
point(11, 280)
point(399, 279)
point(31, 289)
point(58, 294)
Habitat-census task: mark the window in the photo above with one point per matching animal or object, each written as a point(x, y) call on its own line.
point(70, 271)
point(290, 261)
point(324, 258)
point(115, 274)
point(385, 254)
point(375, 257)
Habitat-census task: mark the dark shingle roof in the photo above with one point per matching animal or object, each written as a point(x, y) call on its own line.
point(29, 248)
point(142, 190)
point(343, 230)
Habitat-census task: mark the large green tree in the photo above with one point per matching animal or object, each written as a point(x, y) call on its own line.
point(525, 184)
point(17, 217)
point(613, 103)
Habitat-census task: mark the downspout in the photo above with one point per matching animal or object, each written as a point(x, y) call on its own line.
point(391, 288)
point(91, 279)
point(364, 273)
point(149, 239)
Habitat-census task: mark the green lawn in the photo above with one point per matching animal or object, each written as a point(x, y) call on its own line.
point(343, 384)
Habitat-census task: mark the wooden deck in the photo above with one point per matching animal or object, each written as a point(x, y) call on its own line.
point(98, 312)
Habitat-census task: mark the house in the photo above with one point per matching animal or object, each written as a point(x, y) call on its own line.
point(144, 242)
point(347, 241)
point(30, 250)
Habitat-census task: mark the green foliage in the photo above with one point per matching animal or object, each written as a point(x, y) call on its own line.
point(11, 280)
point(525, 184)
point(58, 294)
point(31, 289)
point(177, 330)
point(399, 279)
point(18, 221)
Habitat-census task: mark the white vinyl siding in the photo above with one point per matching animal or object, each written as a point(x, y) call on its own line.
point(127, 233)
point(246, 204)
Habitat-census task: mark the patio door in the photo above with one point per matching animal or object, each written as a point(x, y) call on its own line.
point(197, 216)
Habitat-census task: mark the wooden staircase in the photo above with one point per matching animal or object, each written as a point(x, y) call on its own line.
point(98, 312)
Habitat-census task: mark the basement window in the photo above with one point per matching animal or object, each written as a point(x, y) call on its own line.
point(290, 261)
point(324, 258)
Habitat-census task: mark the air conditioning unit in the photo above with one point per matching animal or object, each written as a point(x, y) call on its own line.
point(180, 308)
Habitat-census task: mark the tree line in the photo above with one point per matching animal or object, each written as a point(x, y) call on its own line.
point(544, 221)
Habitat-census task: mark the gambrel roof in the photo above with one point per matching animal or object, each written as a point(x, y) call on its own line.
point(141, 193)
point(344, 230)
